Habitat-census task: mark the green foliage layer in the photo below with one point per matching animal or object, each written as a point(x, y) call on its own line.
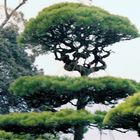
point(39, 123)
point(11, 136)
point(126, 115)
point(81, 15)
point(56, 91)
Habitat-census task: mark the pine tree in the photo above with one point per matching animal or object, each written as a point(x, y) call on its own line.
point(79, 36)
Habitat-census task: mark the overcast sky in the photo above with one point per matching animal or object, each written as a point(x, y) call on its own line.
point(125, 62)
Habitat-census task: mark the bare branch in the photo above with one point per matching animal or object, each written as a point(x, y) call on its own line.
point(8, 16)
point(72, 103)
point(5, 8)
point(121, 130)
point(93, 125)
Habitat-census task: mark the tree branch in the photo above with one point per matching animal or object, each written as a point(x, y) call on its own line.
point(8, 16)
point(72, 103)
point(121, 130)
point(93, 125)
point(5, 9)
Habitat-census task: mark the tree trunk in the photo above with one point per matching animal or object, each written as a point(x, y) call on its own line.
point(78, 132)
point(79, 129)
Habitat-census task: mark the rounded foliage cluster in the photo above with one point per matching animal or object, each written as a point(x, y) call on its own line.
point(126, 115)
point(81, 15)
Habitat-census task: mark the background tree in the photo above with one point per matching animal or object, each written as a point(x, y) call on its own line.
point(78, 35)
point(14, 62)
point(126, 115)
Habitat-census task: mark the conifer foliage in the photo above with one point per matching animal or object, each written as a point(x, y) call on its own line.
point(126, 115)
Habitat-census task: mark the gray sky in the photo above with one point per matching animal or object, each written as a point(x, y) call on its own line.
point(125, 62)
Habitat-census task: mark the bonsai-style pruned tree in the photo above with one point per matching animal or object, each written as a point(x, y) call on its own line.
point(77, 35)
point(126, 115)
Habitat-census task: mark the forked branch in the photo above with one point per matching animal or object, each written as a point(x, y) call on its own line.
point(9, 15)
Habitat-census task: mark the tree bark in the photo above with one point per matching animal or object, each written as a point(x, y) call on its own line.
point(78, 132)
point(79, 129)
